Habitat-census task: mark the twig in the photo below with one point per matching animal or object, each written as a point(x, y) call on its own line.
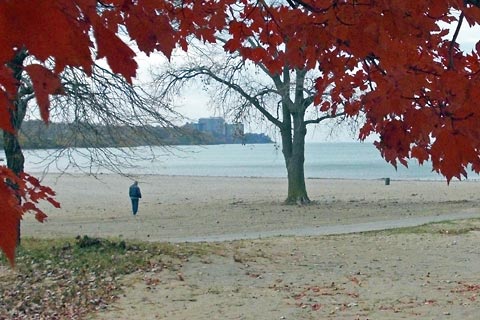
point(455, 35)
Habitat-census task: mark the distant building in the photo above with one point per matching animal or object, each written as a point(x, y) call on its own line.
point(215, 125)
point(235, 130)
point(218, 131)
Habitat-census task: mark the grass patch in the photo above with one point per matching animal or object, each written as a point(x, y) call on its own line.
point(454, 227)
point(68, 278)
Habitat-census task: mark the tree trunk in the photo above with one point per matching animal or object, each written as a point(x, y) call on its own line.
point(13, 151)
point(15, 162)
point(294, 154)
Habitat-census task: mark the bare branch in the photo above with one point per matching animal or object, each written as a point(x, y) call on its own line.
point(320, 119)
point(252, 99)
point(475, 3)
point(451, 65)
point(100, 112)
point(295, 3)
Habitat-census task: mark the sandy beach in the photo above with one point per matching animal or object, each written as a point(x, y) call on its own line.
point(354, 276)
point(179, 208)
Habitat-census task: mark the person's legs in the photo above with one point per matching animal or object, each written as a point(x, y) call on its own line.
point(134, 206)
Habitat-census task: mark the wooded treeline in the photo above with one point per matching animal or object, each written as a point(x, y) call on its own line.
point(36, 135)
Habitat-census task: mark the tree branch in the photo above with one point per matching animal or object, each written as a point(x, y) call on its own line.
point(451, 65)
point(299, 87)
point(475, 3)
point(253, 100)
point(295, 3)
point(308, 101)
point(320, 119)
point(261, 65)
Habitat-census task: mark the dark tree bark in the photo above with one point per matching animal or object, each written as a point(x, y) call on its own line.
point(13, 152)
point(294, 154)
point(12, 148)
point(15, 162)
point(293, 130)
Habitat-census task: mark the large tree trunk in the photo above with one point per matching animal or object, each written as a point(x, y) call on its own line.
point(15, 162)
point(13, 151)
point(294, 154)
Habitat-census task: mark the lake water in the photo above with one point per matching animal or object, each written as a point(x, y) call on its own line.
point(323, 160)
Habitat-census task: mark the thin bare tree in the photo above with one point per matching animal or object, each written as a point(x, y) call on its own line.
point(98, 108)
point(107, 117)
point(248, 92)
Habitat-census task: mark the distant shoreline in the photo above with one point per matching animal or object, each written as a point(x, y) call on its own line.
point(322, 161)
point(136, 176)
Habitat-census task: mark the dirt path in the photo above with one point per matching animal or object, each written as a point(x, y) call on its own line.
point(336, 229)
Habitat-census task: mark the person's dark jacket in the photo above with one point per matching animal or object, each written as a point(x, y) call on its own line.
point(134, 192)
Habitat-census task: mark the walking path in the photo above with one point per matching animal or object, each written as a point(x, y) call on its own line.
point(334, 229)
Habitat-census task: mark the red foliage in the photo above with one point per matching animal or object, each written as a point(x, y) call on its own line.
point(386, 58)
point(17, 196)
point(389, 59)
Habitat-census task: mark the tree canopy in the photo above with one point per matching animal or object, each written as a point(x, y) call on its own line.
point(418, 89)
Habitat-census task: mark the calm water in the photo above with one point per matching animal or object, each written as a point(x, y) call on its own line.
point(323, 160)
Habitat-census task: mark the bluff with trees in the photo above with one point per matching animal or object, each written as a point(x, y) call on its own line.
point(34, 134)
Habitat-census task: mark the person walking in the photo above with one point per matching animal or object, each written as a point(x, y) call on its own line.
point(135, 194)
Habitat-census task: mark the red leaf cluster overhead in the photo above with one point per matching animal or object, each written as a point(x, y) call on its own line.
point(44, 83)
point(388, 59)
